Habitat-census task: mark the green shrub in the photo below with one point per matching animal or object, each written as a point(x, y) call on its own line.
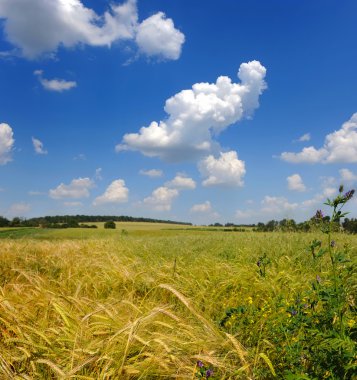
point(110, 224)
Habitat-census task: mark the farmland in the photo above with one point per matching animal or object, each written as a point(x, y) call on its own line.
point(152, 303)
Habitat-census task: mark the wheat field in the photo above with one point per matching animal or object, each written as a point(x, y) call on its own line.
point(156, 304)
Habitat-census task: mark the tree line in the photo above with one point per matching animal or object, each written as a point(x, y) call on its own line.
point(290, 225)
point(314, 223)
point(76, 221)
point(81, 221)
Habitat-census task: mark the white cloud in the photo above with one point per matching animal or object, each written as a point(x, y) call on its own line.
point(157, 36)
point(329, 189)
point(68, 23)
point(161, 198)
point(98, 174)
point(202, 207)
point(277, 205)
point(80, 157)
point(309, 155)
point(181, 182)
point(318, 199)
point(271, 207)
point(327, 181)
point(38, 146)
point(227, 170)
point(116, 192)
point(295, 183)
point(6, 143)
point(305, 137)
point(198, 114)
point(35, 193)
point(339, 146)
point(246, 214)
point(329, 192)
point(78, 188)
point(309, 203)
point(347, 175)
point(57, 85)
point(19, 209)
point(153, 173)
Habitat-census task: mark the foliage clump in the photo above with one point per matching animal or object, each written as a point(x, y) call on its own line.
point(312, 335)
point(110, 224)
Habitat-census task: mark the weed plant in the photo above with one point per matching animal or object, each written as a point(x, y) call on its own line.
point(311, 335)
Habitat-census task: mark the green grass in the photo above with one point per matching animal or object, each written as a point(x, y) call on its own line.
point(17, 233)
point(140, 226)
point(99, 304)
point(88, 233)
point(122, 229)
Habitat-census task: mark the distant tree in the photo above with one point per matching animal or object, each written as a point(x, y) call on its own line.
point(16, 222)
point(4, 222)
point(271, 225)
point(82, 225)
point(350, 225)
point(304, 226)
point(260, 226)
point(60, 219)
point(72, 223)
point(287, 225)
point(109, 224)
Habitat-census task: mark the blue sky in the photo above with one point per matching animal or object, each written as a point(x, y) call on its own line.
point(189, 110)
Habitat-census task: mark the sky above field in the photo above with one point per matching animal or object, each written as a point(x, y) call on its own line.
point(201, 111)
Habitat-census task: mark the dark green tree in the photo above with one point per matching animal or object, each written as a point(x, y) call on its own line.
point(4, 222)
point(109, 224)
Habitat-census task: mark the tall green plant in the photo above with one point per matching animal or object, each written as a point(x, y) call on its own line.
point(329, 349)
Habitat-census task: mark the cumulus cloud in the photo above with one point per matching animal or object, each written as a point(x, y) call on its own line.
point(202, 207)
point(78, 188)
point(6, 143)
point(181, 182)
point(271, 207)
point(56, 85)
point(326, 192)
point(196, 115)
point(339, 146)
point(161, 198)
point(68, 23)
point(246, 214)
point(347, 175)
point(80, 157)
point(277, 205)
point(157, 36)
point(38, 146)
point(116, 192)
point(98, 174)
point(295, 183)
point(227, 170)
point(153, 173)
point(329, 192)
point(307, 155)
point(304, 138)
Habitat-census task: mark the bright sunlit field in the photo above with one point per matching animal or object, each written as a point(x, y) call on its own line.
point(153, 303)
